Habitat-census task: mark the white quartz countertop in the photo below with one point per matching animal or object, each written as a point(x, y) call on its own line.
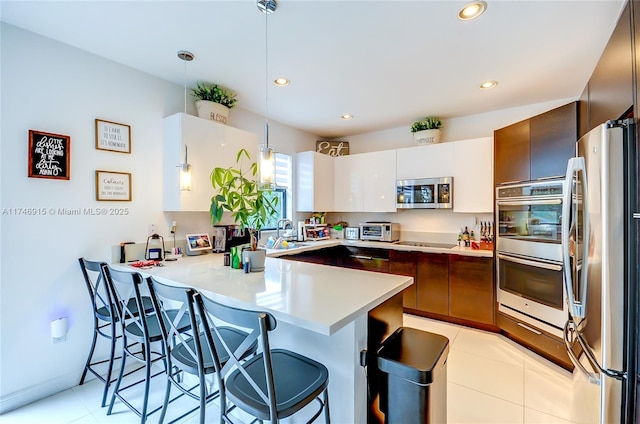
point(319, 298)
point(306, 246)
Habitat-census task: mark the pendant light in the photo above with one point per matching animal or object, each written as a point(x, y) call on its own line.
point(185, 167)
point(266, 154)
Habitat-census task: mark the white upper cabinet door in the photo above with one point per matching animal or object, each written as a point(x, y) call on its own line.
point(210, 144)
point(314, 182)
point(348, 183)
point(430, 161)
point(379, 181)
point(473, 176)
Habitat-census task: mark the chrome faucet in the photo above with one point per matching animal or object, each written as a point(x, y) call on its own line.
point(284, 222)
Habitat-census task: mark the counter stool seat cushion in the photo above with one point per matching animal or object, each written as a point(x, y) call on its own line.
point(298, 380)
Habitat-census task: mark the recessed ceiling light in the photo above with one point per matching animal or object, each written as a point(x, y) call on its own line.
point(488, 84)
point(346, 116)
point(281, 82)
point(472, 10)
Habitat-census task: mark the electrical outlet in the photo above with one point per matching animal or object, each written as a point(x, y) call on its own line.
point(152, 229)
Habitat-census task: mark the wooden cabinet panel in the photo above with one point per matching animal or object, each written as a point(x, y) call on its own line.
point(365, 259)
point(611, 84)
point(547, 345)
point(553, 137)
point(511, 153)
point(404, 263)
point(432, 283)
point(471, 288)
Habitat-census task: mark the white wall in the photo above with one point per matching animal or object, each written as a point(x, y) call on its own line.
point(436, 222)
point(52, 87)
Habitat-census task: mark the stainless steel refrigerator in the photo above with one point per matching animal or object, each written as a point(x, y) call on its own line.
point(600, 247)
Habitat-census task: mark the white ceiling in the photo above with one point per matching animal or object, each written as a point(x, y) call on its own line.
point(386, 62)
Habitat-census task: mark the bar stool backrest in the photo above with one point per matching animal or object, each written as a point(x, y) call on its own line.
point(99, 294)
point(256, 323)
point(125, 290)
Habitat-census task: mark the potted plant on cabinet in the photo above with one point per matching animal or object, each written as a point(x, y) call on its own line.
point(427, 130)
point(237, 192)
point(213, 102)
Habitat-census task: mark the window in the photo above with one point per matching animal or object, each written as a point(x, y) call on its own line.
point(282, 190)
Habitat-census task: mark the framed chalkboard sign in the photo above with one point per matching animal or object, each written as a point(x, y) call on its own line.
point(49, 155)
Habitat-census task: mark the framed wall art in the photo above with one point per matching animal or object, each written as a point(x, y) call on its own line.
point(113, 136)
point(113, 186)
point(49, 155)
point(332, 148)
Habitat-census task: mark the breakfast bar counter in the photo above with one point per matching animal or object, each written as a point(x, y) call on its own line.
point(323, 312)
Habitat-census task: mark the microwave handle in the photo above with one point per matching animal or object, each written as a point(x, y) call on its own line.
point(576, 307)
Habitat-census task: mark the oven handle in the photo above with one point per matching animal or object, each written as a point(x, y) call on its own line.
point(576, 307)
point(554, 201)
point(536, 264)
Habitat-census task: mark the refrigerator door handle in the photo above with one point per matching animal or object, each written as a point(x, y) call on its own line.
point(576, 307)
point(570, 327)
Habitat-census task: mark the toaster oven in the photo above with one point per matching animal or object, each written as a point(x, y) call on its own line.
point(380, 231)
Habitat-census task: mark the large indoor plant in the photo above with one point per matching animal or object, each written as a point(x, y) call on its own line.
point(213, 102)
point(427, 130)
point(237, 192)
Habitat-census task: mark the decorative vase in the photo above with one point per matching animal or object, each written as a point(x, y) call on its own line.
point(427, 136)
point(256, 259)
point(212, 111)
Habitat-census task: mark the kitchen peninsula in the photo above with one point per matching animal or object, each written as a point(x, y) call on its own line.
point(323, 312)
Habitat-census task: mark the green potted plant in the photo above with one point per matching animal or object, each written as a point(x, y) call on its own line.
point(427, 130)
point(237, 192)
point(213, 102)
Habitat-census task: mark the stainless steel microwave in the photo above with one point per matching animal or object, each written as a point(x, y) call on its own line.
point(425, 193)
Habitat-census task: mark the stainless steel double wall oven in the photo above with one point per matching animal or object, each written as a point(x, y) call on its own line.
point(529, 253)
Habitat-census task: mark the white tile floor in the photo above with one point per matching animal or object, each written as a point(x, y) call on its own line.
point(490, 380)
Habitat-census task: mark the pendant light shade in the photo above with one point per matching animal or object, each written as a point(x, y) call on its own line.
point(185, 173)
point(266, 154)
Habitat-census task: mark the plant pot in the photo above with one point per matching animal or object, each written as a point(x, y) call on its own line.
point(256, 259)
point(427, 136)
point(212, 111)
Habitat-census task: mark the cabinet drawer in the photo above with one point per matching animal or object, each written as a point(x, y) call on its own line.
point(547, 345)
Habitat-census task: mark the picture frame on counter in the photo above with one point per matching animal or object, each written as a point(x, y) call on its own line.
point(49, 155)
point(112, 136)
point(113, 186)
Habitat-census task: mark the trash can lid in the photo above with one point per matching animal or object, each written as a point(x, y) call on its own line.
point(412, 354)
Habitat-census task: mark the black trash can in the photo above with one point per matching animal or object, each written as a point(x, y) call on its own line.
point(414, 377)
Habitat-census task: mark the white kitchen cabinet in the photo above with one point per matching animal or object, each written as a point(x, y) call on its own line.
point(314, 182)
point(210, 144)
point(473, 175)
point(365, 182)
point(430, 161)
point(379, 181)
point(348, 183)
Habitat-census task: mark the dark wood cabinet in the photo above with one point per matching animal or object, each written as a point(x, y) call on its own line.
point(432, 283)
point(553, 137)
point(511, 153)
point(471, 290)
point(611, 84)
point(538, 147)
point(365, 259)
point(404, 263)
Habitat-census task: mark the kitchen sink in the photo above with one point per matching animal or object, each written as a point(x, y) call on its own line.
point(427, 244)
